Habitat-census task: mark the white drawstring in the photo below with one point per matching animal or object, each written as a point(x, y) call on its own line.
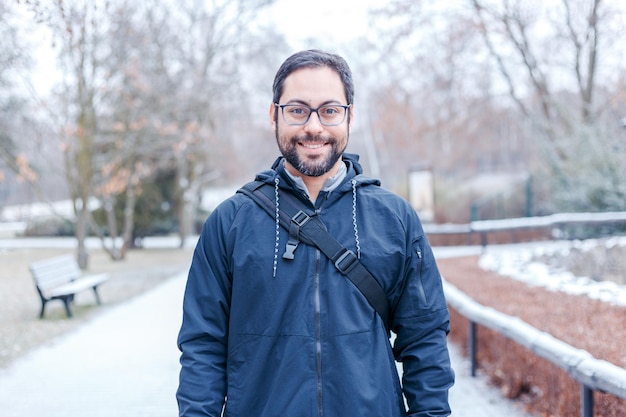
point(356, 229)
point(276, 181)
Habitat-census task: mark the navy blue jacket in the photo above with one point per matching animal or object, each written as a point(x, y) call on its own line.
point(263, 336)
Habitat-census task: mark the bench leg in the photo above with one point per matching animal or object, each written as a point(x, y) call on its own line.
point(67, 301)
point(95, 291)
point(43, 308)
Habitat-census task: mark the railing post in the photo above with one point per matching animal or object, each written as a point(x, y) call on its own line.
point(586, 396)
point(474, 211)
point(529, 196)
point(472, 347)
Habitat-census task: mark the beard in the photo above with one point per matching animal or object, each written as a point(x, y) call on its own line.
point(307, 166)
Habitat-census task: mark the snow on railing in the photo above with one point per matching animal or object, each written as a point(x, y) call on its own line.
point(545, 221)
point(592, 374)
point(527, 222)
point(483, 227)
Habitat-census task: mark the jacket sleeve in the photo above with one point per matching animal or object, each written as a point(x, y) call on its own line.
point(421, 323)
point(204, 331)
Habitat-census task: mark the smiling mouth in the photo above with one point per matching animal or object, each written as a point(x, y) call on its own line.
point(312, 145)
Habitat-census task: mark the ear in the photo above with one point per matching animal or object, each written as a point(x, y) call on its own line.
point(273, 117)
point(351, 113)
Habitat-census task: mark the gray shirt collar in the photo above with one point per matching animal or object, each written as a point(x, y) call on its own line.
point(330, 184)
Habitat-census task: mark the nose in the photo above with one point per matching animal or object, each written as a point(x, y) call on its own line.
point(314, 124)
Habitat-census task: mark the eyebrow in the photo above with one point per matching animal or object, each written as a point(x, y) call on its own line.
point(304, 102)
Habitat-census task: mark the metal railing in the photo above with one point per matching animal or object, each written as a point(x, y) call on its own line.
point(592, 374)
point(484, 227)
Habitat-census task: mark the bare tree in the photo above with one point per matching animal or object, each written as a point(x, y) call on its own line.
point(202, 76)
point(479, 85)
point(554, 57)
point(433, 100)
point(14, 60)
point(143, 90)
point(78, 30)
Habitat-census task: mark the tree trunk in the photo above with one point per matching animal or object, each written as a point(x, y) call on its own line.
point(129, 219)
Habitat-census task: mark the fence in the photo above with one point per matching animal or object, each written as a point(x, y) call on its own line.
point(591, 374)
point(483, 228)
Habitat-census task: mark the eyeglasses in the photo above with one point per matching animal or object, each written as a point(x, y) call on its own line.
point(299, 114)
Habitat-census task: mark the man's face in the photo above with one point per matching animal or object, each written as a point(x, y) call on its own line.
point(312, 149)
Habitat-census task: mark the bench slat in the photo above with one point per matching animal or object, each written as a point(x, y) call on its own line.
point(50, 273)
point(79, 285)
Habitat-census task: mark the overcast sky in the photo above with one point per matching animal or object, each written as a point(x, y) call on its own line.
point(327, 20)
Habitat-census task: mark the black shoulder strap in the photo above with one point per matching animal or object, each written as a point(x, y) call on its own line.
point(309, 228)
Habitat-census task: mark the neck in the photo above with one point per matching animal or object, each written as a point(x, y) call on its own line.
point(314, 185)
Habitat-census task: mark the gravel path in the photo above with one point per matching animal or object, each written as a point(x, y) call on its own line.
point(124, 363)
point(22, 330)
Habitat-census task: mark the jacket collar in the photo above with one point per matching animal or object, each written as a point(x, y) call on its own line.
point(353, 171)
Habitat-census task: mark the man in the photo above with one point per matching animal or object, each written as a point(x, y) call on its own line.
point(267, 336)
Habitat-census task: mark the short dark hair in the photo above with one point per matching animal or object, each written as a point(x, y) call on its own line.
point(314, 58)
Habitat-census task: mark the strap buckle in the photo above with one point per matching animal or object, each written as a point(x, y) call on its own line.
point(297, 221)
point(346, 261)
point(300, 218)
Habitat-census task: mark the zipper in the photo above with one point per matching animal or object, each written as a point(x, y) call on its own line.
point(318, 319)
point(422, 292)
point(318, 335)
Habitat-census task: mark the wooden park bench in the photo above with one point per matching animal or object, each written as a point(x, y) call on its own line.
point(60, 278)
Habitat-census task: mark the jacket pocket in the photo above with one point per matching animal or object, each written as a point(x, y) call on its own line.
point(418, 253)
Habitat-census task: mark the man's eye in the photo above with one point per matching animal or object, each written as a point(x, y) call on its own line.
point(330, 111)
point(297, 111)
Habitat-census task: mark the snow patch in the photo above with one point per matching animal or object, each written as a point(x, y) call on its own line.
point(521, 262)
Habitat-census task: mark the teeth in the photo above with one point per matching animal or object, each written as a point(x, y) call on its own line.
point(312, 146)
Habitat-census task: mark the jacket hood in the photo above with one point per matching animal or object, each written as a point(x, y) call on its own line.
point(355, 172)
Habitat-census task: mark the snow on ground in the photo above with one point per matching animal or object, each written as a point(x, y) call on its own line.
point(521, 262)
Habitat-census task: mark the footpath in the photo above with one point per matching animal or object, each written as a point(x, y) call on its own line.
point(124, 363)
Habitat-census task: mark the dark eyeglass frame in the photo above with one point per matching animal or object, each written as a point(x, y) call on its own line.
point(312, 110)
